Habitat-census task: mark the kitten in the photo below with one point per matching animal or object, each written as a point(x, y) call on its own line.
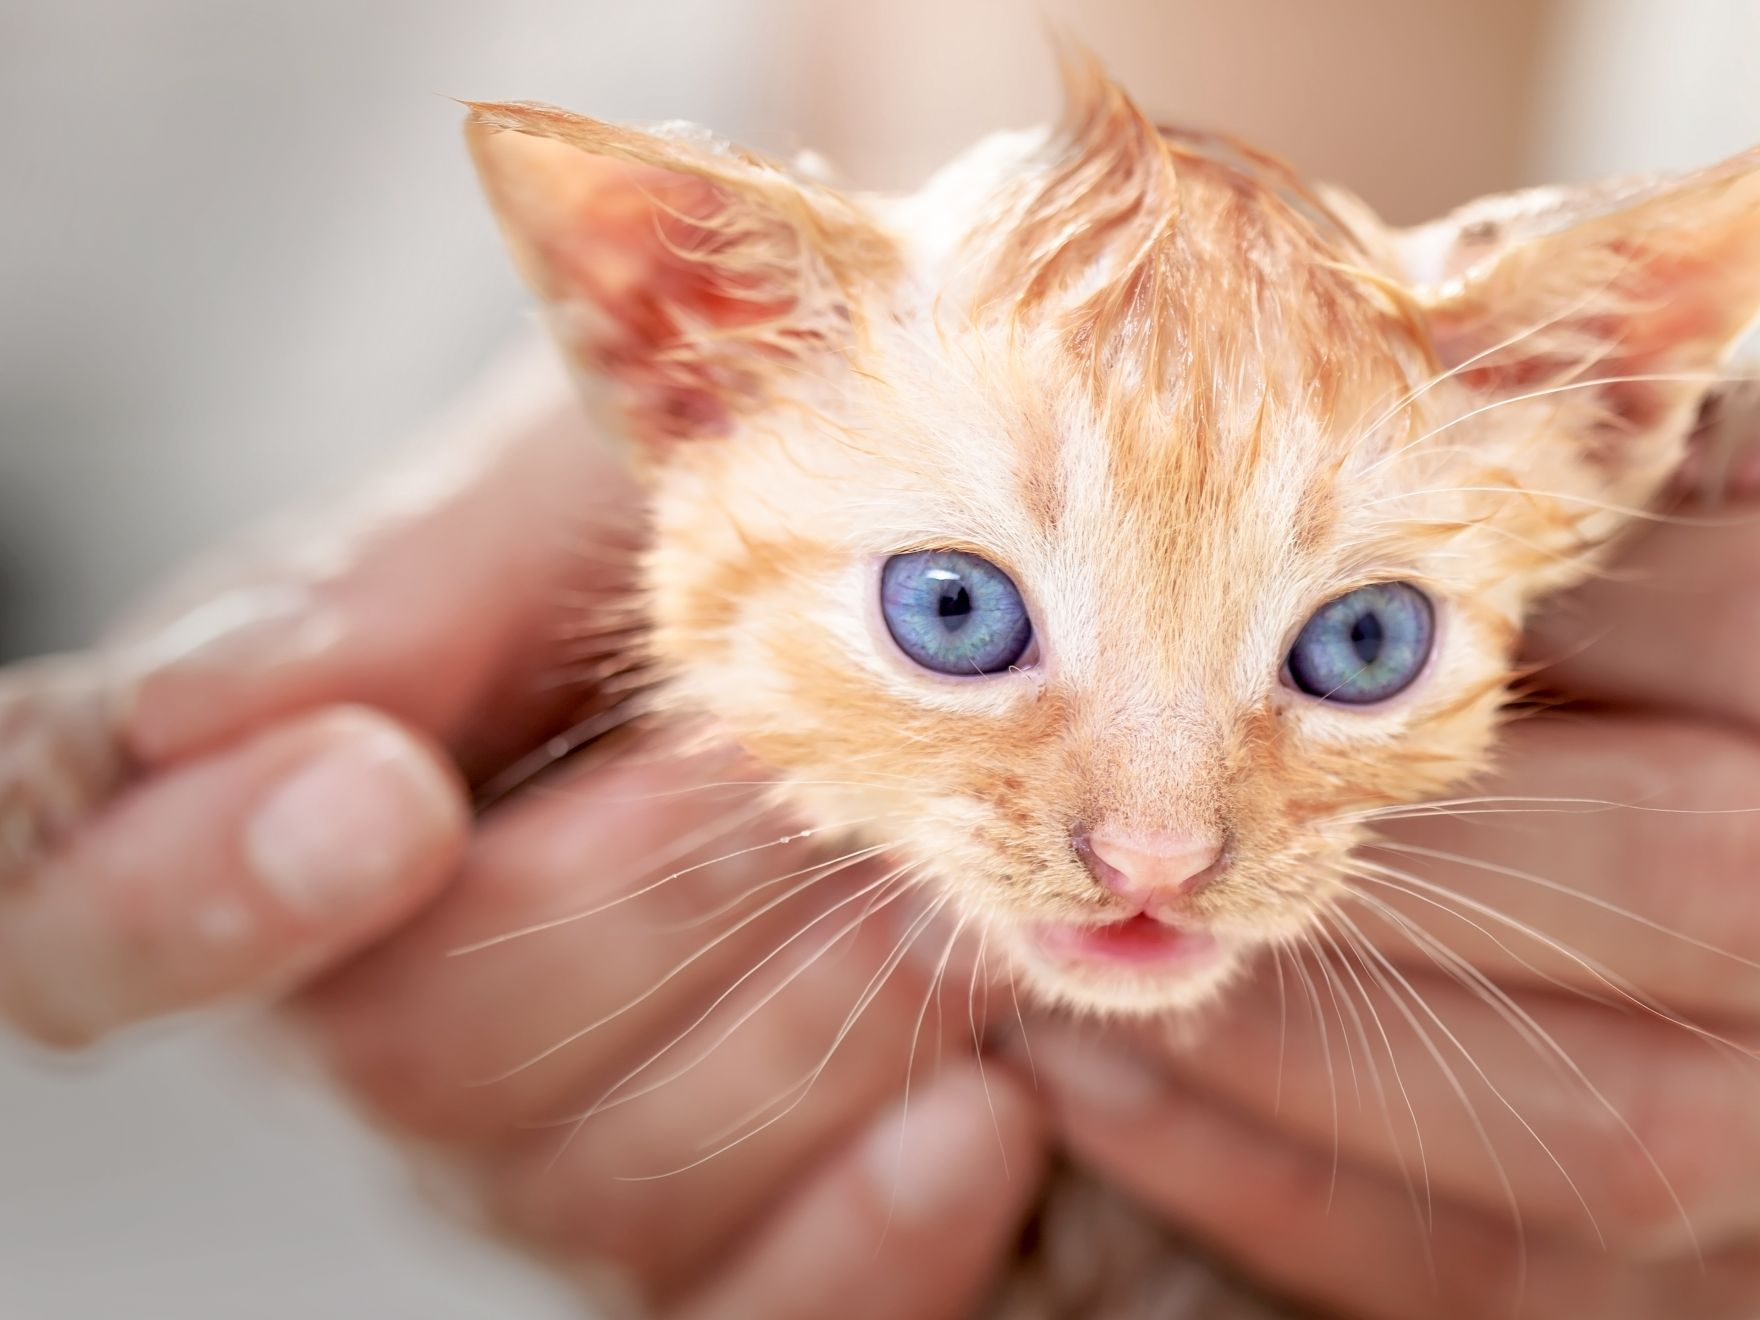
point(1119, 517)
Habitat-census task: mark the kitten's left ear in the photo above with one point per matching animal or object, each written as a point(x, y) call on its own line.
point(1599, 293)
point(681, 273)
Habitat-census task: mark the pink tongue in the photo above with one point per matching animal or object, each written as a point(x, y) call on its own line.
point(1138, 936)
point(1138, 940)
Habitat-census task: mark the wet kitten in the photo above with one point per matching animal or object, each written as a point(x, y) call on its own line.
point(1119, 520)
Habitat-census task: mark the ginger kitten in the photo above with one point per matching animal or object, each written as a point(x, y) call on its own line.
point(1119, 519)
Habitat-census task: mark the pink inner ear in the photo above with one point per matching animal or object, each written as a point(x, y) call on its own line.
point(641, 247)
point(1637, 403)
point(1667, 313)
point(627, 255)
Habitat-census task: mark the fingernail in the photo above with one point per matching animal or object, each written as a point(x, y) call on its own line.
point(928, 1158)
point(350, 823)
point(1106, 1075)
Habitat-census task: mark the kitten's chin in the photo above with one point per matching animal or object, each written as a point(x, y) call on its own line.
point(1139, 966)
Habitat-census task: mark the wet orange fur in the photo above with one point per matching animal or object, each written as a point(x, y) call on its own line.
point(1158, 380)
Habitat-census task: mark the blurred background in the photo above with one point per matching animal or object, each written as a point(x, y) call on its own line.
point(242, 257)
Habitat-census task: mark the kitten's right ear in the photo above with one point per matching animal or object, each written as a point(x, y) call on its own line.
point(682, 276)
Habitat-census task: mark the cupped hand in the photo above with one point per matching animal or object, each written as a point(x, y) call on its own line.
point(262, 786)
point(1516, 1075)
point(265, 768)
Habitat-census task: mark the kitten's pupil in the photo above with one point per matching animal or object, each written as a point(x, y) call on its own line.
point(954, 607)
point(1366, 638)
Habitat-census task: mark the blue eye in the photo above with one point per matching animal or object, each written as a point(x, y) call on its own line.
point(954, 613)
point(1365, 646)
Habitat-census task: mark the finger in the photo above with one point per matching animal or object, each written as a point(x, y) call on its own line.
point(583, 923)
point(698, 1018)
point(680, 1147)
point(1592, 1125)
point(1608, 853)
point(59, 757)
point(445, 594)
point(233, 875)
point(1722, 463)
point(909, 1222)
point(1344, 1238)
point(1671, 628)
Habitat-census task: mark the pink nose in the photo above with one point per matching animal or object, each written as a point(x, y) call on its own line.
point(1150, 865)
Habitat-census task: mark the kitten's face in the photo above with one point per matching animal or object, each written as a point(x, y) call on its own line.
point(1167, 562)
point(1152, 412)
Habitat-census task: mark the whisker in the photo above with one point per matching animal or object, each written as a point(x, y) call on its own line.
point(1428, 1216)
point(1282, 1030)
point(562, 745)
point(1549, 805)
point(1380, 970)
point(1350, 1052)
point(1475, 982)
point(1555, 887)
point(553, 923)
point(872, 991)
point(1020, 1018)
point(1630, 511)
point(1326, 1058)
point(1420, 810)
point(613, 1096)
point(666, 794)
point(910, 1068)
point(978, 967)
point(745, 896)
point(1567, 387)
point(1397, 879)
point(714, 827)
point(1536, 1036)
point(823, 871)
point(1515, 1113)
point(1443, 377)
point(1620, 986)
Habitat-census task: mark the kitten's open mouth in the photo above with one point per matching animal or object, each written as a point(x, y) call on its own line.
point(1141, 942)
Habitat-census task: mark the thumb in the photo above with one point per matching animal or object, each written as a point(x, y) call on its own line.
point(237, 874)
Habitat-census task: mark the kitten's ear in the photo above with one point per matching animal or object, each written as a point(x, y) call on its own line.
point(1582, 290)
point(680, 273)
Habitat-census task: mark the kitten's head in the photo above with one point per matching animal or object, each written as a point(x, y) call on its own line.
point(1113, 525)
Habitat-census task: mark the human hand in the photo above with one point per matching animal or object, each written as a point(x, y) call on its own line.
point(1516, 1077)
point(254, 777)
point(671, 1051)
point(169, 847)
